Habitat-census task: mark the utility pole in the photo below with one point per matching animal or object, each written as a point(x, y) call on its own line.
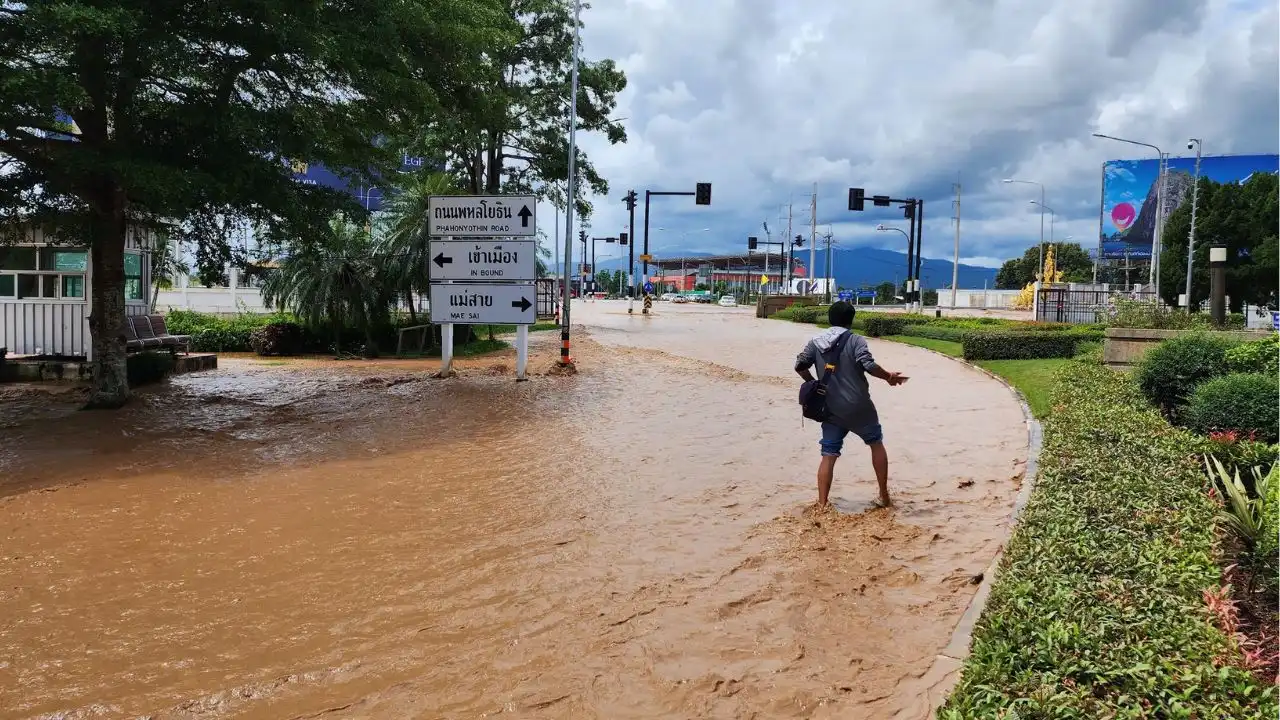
point(830, 273)
point(955, 260)
point(565, 359)
point(789, 235)
point(813, 233)
point(1191, 237)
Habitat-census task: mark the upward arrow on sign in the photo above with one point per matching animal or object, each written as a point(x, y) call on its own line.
point(525, 213)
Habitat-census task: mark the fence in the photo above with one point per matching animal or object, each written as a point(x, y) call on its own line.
point(546, 303)
point(1066, 305)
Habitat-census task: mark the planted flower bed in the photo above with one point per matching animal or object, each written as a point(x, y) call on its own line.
point(1107, 602)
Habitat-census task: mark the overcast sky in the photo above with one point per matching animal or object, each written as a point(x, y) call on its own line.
point(763, 98)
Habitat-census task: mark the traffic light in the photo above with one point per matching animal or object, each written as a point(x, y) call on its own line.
point(630, 199)
point(856, 197)
point(582, 236)
point(622, 238)
point(798, 241)
point(703, 194)
point(752, 243)
point(909, 209)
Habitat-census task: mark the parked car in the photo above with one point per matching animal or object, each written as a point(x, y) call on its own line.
point(728, 301)
point(679, 299)
point(667, 297)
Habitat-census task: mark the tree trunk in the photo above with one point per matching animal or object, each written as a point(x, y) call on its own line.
point(413, 316)
point(106, 322)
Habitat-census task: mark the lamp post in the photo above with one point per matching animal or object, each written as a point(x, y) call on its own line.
point(886, 228)
point(1191, 237)
point(1161, 180)
point(1010, 181)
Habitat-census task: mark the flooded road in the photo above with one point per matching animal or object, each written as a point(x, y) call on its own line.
point(357, 540)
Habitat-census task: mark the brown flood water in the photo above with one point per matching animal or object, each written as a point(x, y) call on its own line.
point(315, 539)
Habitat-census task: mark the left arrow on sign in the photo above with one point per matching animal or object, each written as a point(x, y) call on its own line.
point(523, 303)
point(441, 260)
point(525, 213)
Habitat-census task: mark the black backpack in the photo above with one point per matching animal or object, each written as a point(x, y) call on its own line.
point(813, 393)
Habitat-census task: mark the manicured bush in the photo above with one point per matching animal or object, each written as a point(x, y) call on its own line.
point(1242, 402)
point(144, 368)
point(883, 325)
point(1000, 345)
point(1098, 609)
point(279, 338)
point(1256, 356)
point(1171, 370)
point(937, 332)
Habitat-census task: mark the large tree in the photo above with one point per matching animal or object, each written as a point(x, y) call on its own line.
point(1244, 217)
point(520, 144)
point(1070, 258)
point(189, 111)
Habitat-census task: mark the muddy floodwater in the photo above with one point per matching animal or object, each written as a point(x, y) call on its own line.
point(301, 539)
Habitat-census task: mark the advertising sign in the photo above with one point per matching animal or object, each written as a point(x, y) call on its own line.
point(1129, 190)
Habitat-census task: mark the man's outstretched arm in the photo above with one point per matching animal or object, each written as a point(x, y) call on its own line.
point(863, 354)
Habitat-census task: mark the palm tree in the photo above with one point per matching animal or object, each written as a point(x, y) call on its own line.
point(339, 282)
point(166, 265)
point(406, 242)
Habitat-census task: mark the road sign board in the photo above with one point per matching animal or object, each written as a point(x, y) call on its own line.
point(645, 258)
point(474, 303)
point(483, 260)
point(648, 287)
point(866, 293)
point(845, 295)
point(482, 215)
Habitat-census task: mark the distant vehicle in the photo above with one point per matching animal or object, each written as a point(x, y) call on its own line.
point(679, 299)
point(667, 297)
point(728, 301)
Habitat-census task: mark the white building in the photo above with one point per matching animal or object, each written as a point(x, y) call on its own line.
point(45, 297)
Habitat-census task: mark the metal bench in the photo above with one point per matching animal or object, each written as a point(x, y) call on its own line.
point(148, 332)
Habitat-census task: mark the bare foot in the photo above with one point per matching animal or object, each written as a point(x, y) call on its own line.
point(882, 502)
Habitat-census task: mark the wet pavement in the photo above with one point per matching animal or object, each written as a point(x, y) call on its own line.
point(356, 540)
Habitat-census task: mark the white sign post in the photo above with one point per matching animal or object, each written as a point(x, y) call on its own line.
point(486, 216)
point(483, 264)
point(484, 260)
point(474, 303)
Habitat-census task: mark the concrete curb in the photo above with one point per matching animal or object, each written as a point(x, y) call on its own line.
point(944, 673)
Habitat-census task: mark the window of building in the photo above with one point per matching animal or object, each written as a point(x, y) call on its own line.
point(132, 276)
point(46, 273)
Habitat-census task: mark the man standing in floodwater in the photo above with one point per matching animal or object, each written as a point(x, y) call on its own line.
point(848, 398)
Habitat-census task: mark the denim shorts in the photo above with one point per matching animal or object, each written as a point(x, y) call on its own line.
point(833, 437)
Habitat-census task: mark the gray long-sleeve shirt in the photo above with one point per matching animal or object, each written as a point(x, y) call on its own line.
point(848, 395)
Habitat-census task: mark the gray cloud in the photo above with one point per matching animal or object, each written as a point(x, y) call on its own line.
point(763, 98)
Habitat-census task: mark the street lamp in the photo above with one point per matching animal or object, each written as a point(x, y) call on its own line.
point(684, 235)
point(1161, 180)
point(886, 228)
point(1191, 237)
point(1010, 181)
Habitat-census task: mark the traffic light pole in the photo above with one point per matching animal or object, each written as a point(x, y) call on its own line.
point(630, 200)
point(915, 214)
point(919, 250)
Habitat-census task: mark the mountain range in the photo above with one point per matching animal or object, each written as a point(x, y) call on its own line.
point(858, 267)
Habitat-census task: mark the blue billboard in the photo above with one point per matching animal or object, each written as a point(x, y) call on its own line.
point(1129, 187)
point(370, 197)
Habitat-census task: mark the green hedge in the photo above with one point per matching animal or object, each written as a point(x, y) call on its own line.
point(1001, 345)
point(882, 325)
point(937, 332)
point(1098, 609)
point(1244, 403)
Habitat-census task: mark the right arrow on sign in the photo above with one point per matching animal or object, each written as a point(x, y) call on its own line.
point(441, 260)
point(523, 303)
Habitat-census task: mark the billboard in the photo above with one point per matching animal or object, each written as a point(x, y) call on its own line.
point(370, 197)
point(1129, 195)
